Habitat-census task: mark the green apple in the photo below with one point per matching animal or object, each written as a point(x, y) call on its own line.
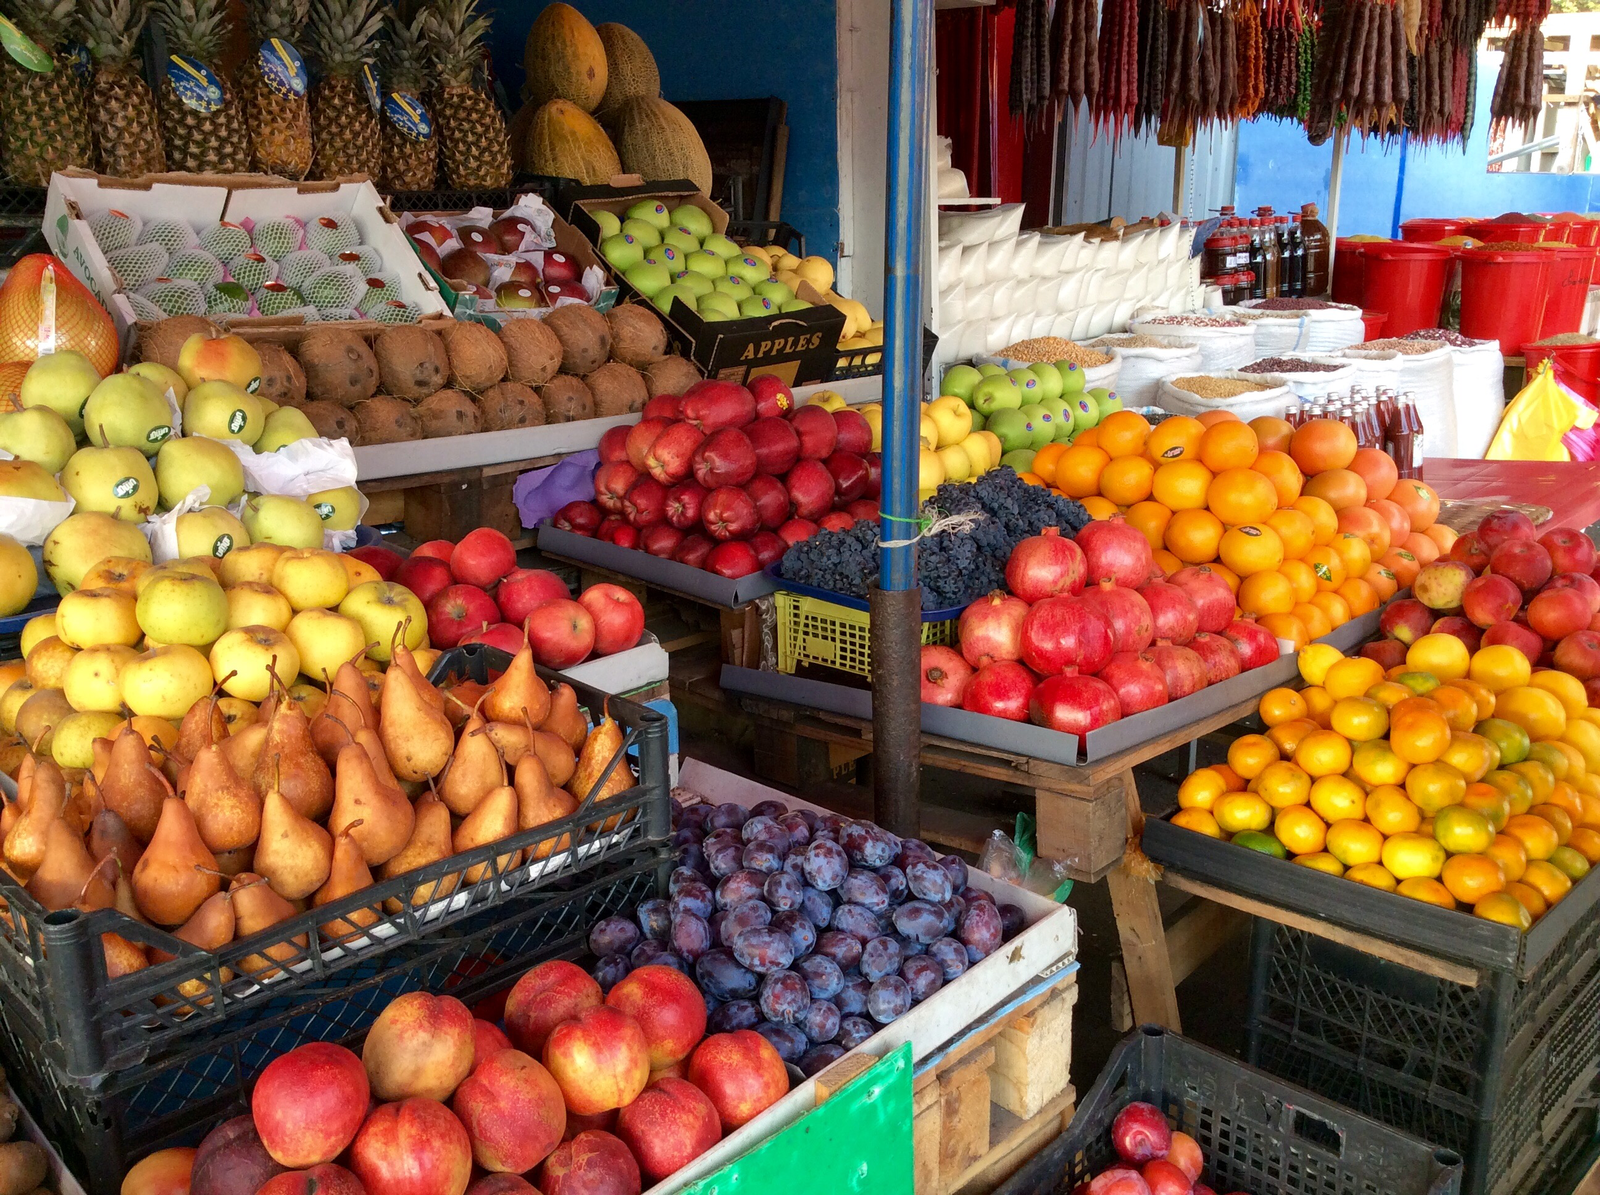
point(736, 288)
point(622, 252)
point(988, 369)
point(276, 519)
point(648, 280)
point(652, 211)
point(113, 481)
point(339, 509)
point(127, 411)
point(1020, 459)
point(690, 217)
point(794, 305)
point(224, 412)
point(1085, 411)
point(1013, 428)
point(721, 246)
point(63, 382)
point(697, 284)
point(959, 380)
point(210, 531)
point(663, 298)
point(1049, 378)
point(284, 426)
point(1041, 423)
point(1071, 377)
point(185, 464)
point(997, 392)
point(1028, 383)
point(751, 269)
point(682, 240)
point(642, 231)
point(608, 222)
point(774, 290)
point(27, 479)
point(703, 261)
point(979, 420)
point(1106, 400)
point(38, 434)
point(1061, 418)
point(715, 316)
point(665, 255)
point(717, 305)
point(756, 306)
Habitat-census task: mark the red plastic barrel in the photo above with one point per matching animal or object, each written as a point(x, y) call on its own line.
point(1577, 365)
point(1584, 232)
point(1427, 229)
point(1494, 230)
point(1348, 270)
point(1407, 281)
point(1372, 324)
point(1503, 295)
point(1567, 289)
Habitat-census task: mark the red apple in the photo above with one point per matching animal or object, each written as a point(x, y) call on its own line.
point(1461, 628)
point(728, 513)
point(510, 231)
point(874, 474)
point(773, 398)
point(1583, 583)
point(771, 499)
point(1470, 550)
point(662, 406)
point(1579, 654)
point(1516, 635)
point(592, 1163)
point(415, 1147)
point(811, 486)
point(671, 455)
point(1524, 561)
point(712, 405)
point(458, 610)
point(864, 508)
point(614, 444)
point(558, 267)
point(611, 485)
point(1406, 620)
point(525, 588)
point(724, 458)
point(424, 576)
point(797, 530)
point(609, 526)
point(767, 546)
point(683, 504)
point(854, 432)
point(1390, 653)
point(1504, 526)
point(776, 445)
point(512, 1111)
point(741, 1073)
point(819, 436)
point(638, 440)
point(667, 1006)
point(544, 997)
point(618, 617)
point(504, 635)
point(1490, 599)
point(849, 476)
point(693, 550)
point(1557, 613)
point(428, 254)
point(1440, 584)
point(600, 1059)
point(1571, 551)
point(308, 1104)
point(670, 1125)
point(837, 520)
point(945, 676)
point(580, 518)
point(661, 540)
point(732, 560)
point(645, 503)
point(386, 561)
point(487, 1038)
point(561, 633)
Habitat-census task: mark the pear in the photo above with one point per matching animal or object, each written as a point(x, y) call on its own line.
point(127, 411)
point(293, 853)
point(430, 842)
point(348, 710)
point(380, 760)
point(25, 846)
point(203, 725)
point(40, 435)
point(289, 759)
point(113, 481)
point(539, 801)
point(83, 803)
point(511, 739)
point(133, 788)
point(210, 928)
point(275, 519)
point(186, 463)
point(99, 890)
point(416, 735)
point(231, 863)
point(64, 870)
point(461, 701)
point(176, 873)
point(495, 818)
point(349, 874)
point(475, 768)
point(244, 749)
point(122, 956)
point(379, 817)
point(226, 809)
point(401, 655)
point(109, 835)
point(602, 746)
point(519, 695)
point(565, 719)
point(256, 907)
point(284, 426)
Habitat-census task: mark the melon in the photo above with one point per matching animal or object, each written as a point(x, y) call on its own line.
point(658, 142)
point(564, 58)
point(631, 69)
point(565, 141)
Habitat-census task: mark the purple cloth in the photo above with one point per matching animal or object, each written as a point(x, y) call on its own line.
point(539, 493)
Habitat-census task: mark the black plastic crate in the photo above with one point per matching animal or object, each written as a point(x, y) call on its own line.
point(1258, 1134)
point(868, 362)
point(767, 232)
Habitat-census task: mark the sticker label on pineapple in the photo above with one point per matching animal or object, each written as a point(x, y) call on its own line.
point(369, 84)
point(126, 488)
point(282, 68)
point(23, 49)
point(237, 420)
point(222, 546)
point(324, 509)
point(406, 113)
point(158, 435)
point(77, 55)
point(196, 86)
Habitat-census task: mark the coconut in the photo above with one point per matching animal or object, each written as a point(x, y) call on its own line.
point(508, 405)
point(411, 361)
point(162, 341)
point(618, 389)
point(339, 366)
point(332, 421)
point(448, 413)
point(670, 375)
point(533, 354)
point(585, 337)
point(282, 379)
point(566, 398)
point(477, 358)
point(386, 420)
point(637, 336)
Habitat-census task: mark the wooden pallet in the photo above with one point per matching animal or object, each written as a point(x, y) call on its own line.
point(989, 1103)
point(451, 502)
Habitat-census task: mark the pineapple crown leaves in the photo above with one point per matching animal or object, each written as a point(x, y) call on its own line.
point(48, 22)
point(285, 19)
point(407, 53)
point(195, 28)
point(111, 28)
point(345, 33)
point(456, 32)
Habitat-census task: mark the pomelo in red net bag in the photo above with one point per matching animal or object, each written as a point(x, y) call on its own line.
point(81, 324)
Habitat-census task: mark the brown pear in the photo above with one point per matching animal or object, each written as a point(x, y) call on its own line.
point(125, 902)
point(257, 907)
point(9, 816)
point(461, 699)
point(293, 852)
point(380, 760)
point(289, 759)
point(603, 744)
point(211, 928)
point(474, 769)
point(122, 956)
point(416, 736)
point(109, 835)
point(83, 802)
point(102, 759)
point(176, 872)
point(64, 870)
point(25, 773)
point(494, 818)
point(231, 863)
point(429, 843)
point(47, 796)
point(565, 720)
point(349, 874)
point(407, 663)
point(244, 749)
point(349, 709)
point(99, 891)
point(519, 695)
point(133, 789)
point(380, 818)
point(202, 726)
point(538, 802)
point(225, 807)
point(512, 740)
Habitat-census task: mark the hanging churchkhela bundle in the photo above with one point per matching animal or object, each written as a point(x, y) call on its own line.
point(1117, 100)
point(1362, 74)
point(1244, 17)
point(1030, 63)
point(1519, 92)
point(1289, 51)
point(1075, 53)
point(1152, 65)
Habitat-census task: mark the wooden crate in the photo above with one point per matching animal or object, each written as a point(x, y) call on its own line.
point(991, 1101)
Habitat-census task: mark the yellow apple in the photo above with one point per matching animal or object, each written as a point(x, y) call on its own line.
point(928, 432)
point(72, 744)
point(37, 629)
point(181, 608)
point(340, 509)
point(977, 450)
point(382, 608)
point(223, 411)
point(93, 617)
point(360, 572)
point(11, 701)
point(165, 681)
point(19, 577)
point(117, 481)
point(192, 461)
point(232, 359)
point(93, 678)
point(237, 713)
point(254, 563)
point(167, 568)
point(311, 578)
point(244, 661)
point(957, 466)
point(47, 662)
point(82, 540)
point(953, 418)
point(873, 414)
point(308, 697)
point(116, 572)
point(325, 640)
point(256, 604)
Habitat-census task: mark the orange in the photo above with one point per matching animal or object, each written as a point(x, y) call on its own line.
point(1266, 593)
point(1250, 548)
point(1418, 500)
point(1413, 856)
point(1355, 553)
point(1319, 703)
point(1278, 706)
point(1089, 437)
point(1586, 841)
point(1232, 578)
point(1193, 536)
point(1340, 488)
point(1099, 508)
point(1567, 688)
point(1300, 830)
point(1538, 837)
point(1445, 656)
point(1334, 607)
point(1282, 784)
point(1538, 711)
point(1181, 484)
point(1436, 786)
point(1337, 798)
point(1382, 581)
point(1286, 736)
point(1249, 755)
point(1470, 754)
point(1125, 480)
point(1294, 528)
point(1373, 876)
point(1399, 521)
point(1504, 908)
point(1420, 546)
point(1328, 566)
point(1168, 562)
point(1570, 863)
point(1198, 820)
point(1547, 879)
point(1354, 842)
point(1323, 517)
point(1322, 444)
point(1392, 812)
point(1209, 418)
point(1241, 811)
point(1077, 472)
point(1489, 801)
point(1352, 677)
point(1272, 433)
point(1428, 891)
point(1320, 861)
point(1529, 898)
point(1301, 577)
point(1583, 734)
point(1541, 780)
point(1324, 753)
point(1279, 468)
point(1369, 526)
point(1458, 708)
point(1389, 693)
point(1377, 469)
point(1374, 762)
point(1510, 854)
point(1360, 719)
point(1317, 623)
point(1121, 433)
point(1034, 479)
point(1552, 755)
point(1232, 779)
point(1418, 736)
point(1564, 796)
point(1482, 696)
point(1359, 594)
point(1044, 461)
point(1288, 627)
point(1241, 496)
point(1201, 788)
point(1174, 439)
point(1462, 831)
point(1228, 445)
point(1557, 817)
point(1441, 535)
point(1150, 519)
point(1403, 564)
point(1470, 878)
point(1519, 795)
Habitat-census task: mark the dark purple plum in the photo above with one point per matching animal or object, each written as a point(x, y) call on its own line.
point(822, 975)
point(854, 1030)
point(867, 889)
point(908, 947)
point(817, 906)
point(694, 898)
point(796, 826)
point(693, 815)
point(728, 816)
point(923, 976)
point(981, 928)
point(821, 1021)
point(844, 949)
point(795, 863)
point(920, 921)
point(715, 922)
point(718, 973)
point(650, 952)
point(784, 997)
point(693, 858)
point(724, 859)
point(733, 1016)
point(763, 827)
point(889, 998)
point(762, 856)
point(857, 920)
point(712, 1003)
point(880, 957)
point(895, 881)
point(768, 809)
point(802, 934)
point(738, 887)
point(613, 935)
point(852, 998)
point(763, 949)
point(691, 935)
point(972, 894)
point(683, 838)
point(912, 849)
point(783, 892)
point(819, 1058)
point(868, 845)
point(831, 822)
point(811, 818)
point(611, 970)
point(826, 865)
point(752, 914)
point(655, 918)
point(956, 868)
point(951, 955)
point(682, 876)
point(929, 881)
point(1011, 921)
point(786, 1039)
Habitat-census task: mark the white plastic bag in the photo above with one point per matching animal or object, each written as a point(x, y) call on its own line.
point(1374, 368)
point(1479, 399)
point(1321, 330)
point(298, 469)
point(1274, 401)
point(1225, 346)
point(1143, 368)
point(30, 520)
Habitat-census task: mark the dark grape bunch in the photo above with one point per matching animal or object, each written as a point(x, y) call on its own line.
point(812, 929)
point(954, 567)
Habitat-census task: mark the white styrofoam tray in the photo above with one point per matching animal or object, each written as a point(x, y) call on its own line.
point(410, 457)
point(643, 664)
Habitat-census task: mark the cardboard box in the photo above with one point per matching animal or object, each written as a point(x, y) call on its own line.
point(76, 195)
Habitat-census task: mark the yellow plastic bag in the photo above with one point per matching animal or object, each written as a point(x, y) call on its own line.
point(1536, 419)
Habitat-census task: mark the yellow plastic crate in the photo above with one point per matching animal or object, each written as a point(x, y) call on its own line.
point(814, 631)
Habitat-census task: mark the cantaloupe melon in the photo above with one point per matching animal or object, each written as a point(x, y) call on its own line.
point(656, 141)
point(564, 59)
point(631, 69)
point(567, 142)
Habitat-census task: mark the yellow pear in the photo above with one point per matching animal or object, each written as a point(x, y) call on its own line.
point(379, 817)
point(495, 818)
point(176, 873)
point(417, 736)
point(293, 853)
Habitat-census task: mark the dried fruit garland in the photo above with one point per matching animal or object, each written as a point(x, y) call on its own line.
point(1519, 91)
point(1075, 52)
point(1117, 100)
point(1030, 96)
point(1363, 74)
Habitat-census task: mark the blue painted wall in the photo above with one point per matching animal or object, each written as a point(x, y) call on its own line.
point(1278, 167)
point(725, 50)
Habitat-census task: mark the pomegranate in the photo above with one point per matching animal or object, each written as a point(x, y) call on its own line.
point(1001, 690)
point(1137, 680)
point(1524, 561)
point(1184, 670)
point(1571, 551)
point(1583, 583)
point(1116, 550)
point(1257, 645)
point(1557, 613)
point(1074, 704)
point(1140, 1133)
point(1044, 566)
point(1219, 655)
point(991, 629)
point(1503, 526)
point(1132, 626)
point(1173, 614)
point(1579, 654)
point(1064, 632)
point(1469, 549)
point(945, 675)
point(1516, 635)
point(1210, 594)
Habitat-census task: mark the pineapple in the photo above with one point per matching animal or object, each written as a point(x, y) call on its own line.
point(408, 164)
point(280, 124)
point(344, 126)
point(122, 108)
point(46, 122)
point(472, 130)
point(205, 142)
